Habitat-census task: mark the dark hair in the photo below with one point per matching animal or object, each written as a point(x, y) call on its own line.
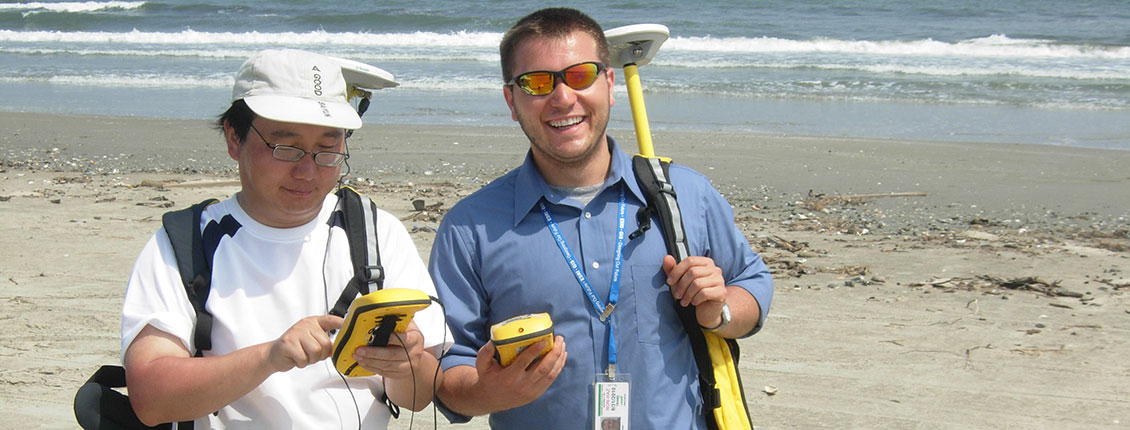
point(239, 116)
point(549, 23)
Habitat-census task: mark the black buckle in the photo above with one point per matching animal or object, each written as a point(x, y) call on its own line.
point(374, 274)
point(643, 216)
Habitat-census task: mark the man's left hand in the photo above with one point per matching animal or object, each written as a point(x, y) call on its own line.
point(398, 358)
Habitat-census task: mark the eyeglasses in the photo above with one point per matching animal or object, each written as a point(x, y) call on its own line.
point(542, 82)
point(292, 154)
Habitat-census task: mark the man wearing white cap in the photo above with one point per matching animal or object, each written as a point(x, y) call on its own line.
point(279, 263)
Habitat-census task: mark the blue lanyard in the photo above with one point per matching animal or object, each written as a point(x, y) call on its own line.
point(605, 312)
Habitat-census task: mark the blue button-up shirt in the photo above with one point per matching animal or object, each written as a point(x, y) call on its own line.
point(494, 258)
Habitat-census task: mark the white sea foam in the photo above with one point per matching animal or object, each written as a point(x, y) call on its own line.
point(158, 80)
point(452, 84)
point(72, 7)
point(995, 46)
point(461, 39)
point(200, 52)
point(873, 70)
point(849, 92)
point(980, 69)
point(131, 81)
point(1001, 70)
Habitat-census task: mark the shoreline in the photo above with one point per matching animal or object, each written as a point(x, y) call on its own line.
point(1026, 185)
point(996, 300)
point(897, 119)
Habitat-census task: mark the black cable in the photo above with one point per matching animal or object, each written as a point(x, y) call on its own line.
point(356, 407)
point(411, 367)
point(341, 176)
point(435, 375)
point(439, 362)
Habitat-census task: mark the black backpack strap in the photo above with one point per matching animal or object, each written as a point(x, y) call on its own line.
point(195, 267)
point(358, 217)
point(652, 174)
point(183, 228)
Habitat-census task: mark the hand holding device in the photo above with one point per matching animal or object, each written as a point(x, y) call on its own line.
point(371, 320)
point(514, 335)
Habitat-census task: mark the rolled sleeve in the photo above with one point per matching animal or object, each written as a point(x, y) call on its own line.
point(451, 265)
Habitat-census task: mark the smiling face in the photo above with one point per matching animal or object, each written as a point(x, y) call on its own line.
point(279, 193)
point(566, 128)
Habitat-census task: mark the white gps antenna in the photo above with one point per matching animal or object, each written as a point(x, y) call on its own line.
point(629, 47)
point(360, 80)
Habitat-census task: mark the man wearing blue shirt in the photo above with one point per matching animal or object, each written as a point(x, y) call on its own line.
point(511, 248)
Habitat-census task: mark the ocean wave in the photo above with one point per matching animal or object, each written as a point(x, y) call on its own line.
point(862, 92)
point(967, 69)
point(71, 7)
point(459, 39)
point(450, 84)
point(195, 53)
point(225, 80)
point(990, 71)
point(995, 46)
point(364, 56)
point(128, 81)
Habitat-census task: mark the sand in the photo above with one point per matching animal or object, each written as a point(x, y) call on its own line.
point(919, 285)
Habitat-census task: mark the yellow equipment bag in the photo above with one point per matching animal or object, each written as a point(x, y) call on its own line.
point(731, 413)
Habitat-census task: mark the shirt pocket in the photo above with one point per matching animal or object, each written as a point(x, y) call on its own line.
point(656, 320)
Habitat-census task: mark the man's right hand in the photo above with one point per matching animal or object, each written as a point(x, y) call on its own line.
point(491, 388)
point(304, 343)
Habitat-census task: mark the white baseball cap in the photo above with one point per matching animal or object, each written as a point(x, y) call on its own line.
point(289, 85)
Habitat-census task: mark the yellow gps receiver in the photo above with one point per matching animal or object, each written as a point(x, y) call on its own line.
point(514, 335)
point(371, 320)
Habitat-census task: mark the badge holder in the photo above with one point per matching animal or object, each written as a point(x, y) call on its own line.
point(611, 401)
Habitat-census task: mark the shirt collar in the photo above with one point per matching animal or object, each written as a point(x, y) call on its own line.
point(530, 186)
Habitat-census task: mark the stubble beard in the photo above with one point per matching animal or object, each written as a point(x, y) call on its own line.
point(580, 160)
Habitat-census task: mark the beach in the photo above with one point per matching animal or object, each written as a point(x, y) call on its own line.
point(919, 284)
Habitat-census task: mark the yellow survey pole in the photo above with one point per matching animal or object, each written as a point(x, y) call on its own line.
point(639, 112)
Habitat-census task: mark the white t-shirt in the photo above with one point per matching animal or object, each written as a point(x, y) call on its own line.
point(264, 280)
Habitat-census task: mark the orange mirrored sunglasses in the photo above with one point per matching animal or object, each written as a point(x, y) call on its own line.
point(542, 82)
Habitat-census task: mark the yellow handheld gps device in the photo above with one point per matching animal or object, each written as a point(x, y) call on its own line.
point(371, 320)
point(514, 335)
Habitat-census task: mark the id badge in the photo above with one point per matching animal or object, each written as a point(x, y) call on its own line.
point(611, 402)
